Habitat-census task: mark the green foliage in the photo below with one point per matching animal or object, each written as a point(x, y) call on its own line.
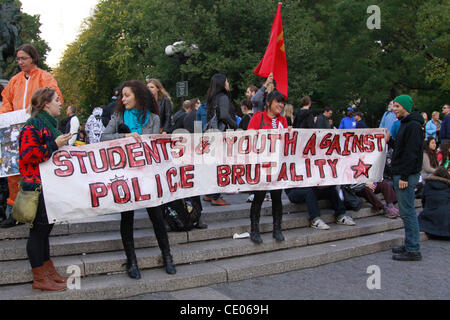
point(332, 55)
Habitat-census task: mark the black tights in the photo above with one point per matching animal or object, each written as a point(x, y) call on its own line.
point(277, 206)
point(156, 216)
point(38, 245)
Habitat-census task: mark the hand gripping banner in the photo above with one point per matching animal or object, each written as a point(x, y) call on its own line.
point(122, 175)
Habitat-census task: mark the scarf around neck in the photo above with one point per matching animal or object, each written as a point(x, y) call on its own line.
point(131, 119)
point(49, 122)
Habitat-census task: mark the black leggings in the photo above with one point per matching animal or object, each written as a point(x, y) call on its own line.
point(38, 245)
point(277, 205)
point(156, 216)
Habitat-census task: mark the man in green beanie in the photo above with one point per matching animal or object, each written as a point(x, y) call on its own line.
point(406, 167)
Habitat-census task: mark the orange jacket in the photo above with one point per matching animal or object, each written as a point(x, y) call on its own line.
point(17, 94)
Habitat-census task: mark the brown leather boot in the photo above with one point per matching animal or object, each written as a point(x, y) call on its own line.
point(52, 273)
point(41, 281)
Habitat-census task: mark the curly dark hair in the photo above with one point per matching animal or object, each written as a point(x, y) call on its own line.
point(432, 155)
point(145, 101)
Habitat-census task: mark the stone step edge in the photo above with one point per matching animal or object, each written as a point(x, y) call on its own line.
point(103, 263)
point(145, 237)
point(119, 286)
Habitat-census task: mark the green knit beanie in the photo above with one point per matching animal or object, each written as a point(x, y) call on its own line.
point(405, 101)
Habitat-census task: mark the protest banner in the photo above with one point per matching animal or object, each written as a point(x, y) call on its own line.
point(10, 126)
point(122, 175)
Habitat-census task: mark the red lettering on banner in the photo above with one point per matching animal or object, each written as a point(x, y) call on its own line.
point(269, 166)
point(171, 172)
point(325, 143)
point(283, 174)
point(294, 176)
point(204, 146)
point(237, 172)
point(104, 160)
point(308, 167)
point(230, 142)
point(120, 184)
point(379, 137)
point(186, 177)
point(159, 186)
point(290, 144)
point(163, 143)
point(320, 163)
point(137, 191)
point(151, 153)
point(347, 135)
point(332, 164)
point(257, 177)
point(273, 140)
point(223, 175)
point(97, 190)
point(56, 159)
point(181, 148)
point(242, 140)
point(133, 155)
point(262, 141)
point(358, 143)
point(80, 155)
point(335, 146)
point(369, 143)
point(122, 158)
point(310, 146)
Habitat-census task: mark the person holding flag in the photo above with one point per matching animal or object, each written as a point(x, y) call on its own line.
point(274, 63)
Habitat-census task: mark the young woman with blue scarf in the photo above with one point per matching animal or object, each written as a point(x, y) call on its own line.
point(137, 113)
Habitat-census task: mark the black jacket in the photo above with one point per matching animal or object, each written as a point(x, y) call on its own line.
point(225, 109)
point(165, 109)
point(408, 147)
point(304, 119)
point(322, 122)
point(435, 217)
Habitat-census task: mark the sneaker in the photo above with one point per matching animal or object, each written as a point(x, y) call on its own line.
point(251, 197)
point(319, 224)
point(400, 249)
point(391, 213)
point(219, 202)
point(345, 220)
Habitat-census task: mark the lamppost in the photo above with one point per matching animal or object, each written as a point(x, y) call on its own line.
point(180, 52)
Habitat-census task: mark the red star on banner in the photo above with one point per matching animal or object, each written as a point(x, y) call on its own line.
point(361, 169)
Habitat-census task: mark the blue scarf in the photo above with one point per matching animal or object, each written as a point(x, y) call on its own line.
point(132, 119)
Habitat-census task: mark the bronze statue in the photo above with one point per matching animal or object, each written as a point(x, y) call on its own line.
point(9, 32)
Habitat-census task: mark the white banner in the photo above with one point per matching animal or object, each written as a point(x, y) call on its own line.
point(10, 125)
point(122, 175)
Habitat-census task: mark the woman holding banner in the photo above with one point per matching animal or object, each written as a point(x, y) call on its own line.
point(271, 118)
point(137, 113)
point(17, 96)
point(38, 139)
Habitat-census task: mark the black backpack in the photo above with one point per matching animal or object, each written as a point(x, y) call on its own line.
point(181, 215)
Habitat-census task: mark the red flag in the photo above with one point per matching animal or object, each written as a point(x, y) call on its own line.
point(274, 60)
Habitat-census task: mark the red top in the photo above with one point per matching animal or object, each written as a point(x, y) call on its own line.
point(255, 122)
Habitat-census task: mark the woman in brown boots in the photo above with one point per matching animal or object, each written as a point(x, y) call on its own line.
point(38, 139)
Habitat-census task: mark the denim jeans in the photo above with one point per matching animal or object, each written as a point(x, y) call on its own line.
point(310, 195)
point(408, 213)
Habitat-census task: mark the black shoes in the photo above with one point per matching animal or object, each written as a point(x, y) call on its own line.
point(133, 269)
point(168, 263)
point(398, 249)
point(407, 256)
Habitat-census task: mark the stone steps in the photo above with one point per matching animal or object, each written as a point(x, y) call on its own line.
point(18, 271)
point(116, 286)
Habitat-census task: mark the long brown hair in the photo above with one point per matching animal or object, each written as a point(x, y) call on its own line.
point(144, 99)
point(40, 98)
point(432, 155)
point(162, 93)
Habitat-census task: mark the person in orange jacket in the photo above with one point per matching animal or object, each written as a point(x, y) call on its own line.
point(17, 96)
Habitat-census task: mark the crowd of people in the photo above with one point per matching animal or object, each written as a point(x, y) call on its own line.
point(140, 108)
